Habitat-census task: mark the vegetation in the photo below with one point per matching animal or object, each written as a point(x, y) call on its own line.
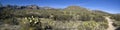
point(72, 17)
point(116, 18)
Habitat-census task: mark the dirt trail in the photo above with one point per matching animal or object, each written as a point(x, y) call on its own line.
point(110, 22)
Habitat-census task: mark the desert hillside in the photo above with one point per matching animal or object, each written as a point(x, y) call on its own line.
point(33, 17)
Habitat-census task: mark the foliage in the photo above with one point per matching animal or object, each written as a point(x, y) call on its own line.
point(91, 25)
point(63, 17)
point(32, 23)
point(116, 17)
point(73, 17)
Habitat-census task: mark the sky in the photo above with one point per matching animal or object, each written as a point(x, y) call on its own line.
point(110, 6)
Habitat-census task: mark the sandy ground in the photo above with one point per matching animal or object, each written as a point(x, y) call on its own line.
point(110, 22)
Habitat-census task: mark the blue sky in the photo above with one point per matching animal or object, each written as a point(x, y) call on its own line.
point(111, 6)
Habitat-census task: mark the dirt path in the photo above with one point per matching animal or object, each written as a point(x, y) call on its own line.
point(110, 22)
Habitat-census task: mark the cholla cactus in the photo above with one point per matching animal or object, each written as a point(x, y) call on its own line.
point(28, 22)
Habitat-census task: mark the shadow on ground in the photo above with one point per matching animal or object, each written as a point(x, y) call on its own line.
point(118, 28)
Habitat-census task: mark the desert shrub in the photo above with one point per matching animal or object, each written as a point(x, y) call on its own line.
point(84, 18)
point(12, 21)
point(116, 23)
point(28, 23)
point(44, 15)
point(41, 20)
point(35, 23)
point(99, 19)
point(116, 17)
point(91, 25)
point(62, 17)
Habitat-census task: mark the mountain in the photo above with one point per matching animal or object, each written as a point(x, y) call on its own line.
point(74, 7)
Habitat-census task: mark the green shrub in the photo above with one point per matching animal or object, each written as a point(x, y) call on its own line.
point(62, 17)
point(30, 23)
point(91, 25)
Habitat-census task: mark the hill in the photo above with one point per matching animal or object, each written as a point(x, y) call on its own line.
point(41, 18)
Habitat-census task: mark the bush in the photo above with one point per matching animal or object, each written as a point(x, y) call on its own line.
point(91, 25)
point(62, 17)
point(116, 17)
point(30, 23)
point(85, 18)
